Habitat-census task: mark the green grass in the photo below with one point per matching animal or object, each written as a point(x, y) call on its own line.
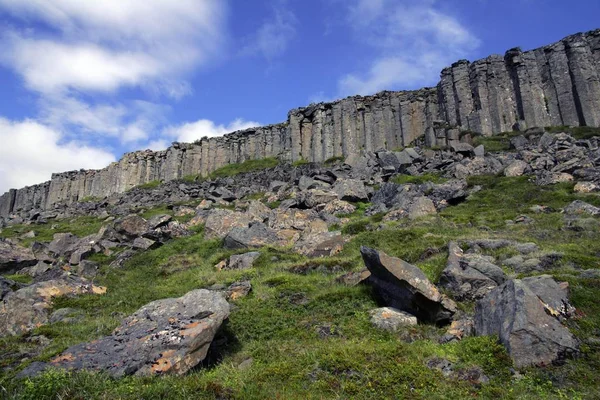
point(430, 177)
point(148, 186)
point(578, 132)
point(334, 160)
point(80, 226)
point(292, 358)
point(247, 166)
point(300, 162)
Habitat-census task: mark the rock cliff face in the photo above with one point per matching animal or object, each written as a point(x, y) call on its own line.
point(554, 85)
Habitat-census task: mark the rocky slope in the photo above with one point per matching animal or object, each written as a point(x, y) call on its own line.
point(554, 85)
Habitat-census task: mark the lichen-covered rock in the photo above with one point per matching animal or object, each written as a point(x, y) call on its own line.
point(405, 287)
point(520, 318)
point(391, 319)
point(254, 236)
point(168, 336)
point(28, 308)
point(220, 222)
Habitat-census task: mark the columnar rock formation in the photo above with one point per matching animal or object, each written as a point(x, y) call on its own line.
point(554, 85)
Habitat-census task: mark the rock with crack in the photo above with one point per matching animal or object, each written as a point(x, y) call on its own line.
point(28, 308)
point(579, 207)
point(520, 318)
point(470, 276)
point(14, 257)
point(168, 336)
point(405, 287)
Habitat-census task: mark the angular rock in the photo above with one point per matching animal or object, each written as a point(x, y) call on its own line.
point(421, 207)
point(391, 319)
point(28, 308)
point(519, 318)
point(405, 287)
point(132, 226)
point(220, 222)
point(255, 236)
point(142, 243)
point(516, 168)
point(165, 337)
point(469, 276)
point(14, 257)
point(239, 261)
point(351, 190)
point(579, 207)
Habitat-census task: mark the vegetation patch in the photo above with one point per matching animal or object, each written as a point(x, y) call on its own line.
point(247, 166)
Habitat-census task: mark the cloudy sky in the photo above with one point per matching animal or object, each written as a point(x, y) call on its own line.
point(85, 81)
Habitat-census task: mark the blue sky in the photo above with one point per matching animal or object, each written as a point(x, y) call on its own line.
point(85, 81)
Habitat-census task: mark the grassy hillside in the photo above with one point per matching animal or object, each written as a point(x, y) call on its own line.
point(309, 337)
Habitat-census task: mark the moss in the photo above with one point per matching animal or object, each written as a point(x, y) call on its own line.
point(148, 186)
point(419, 179)
point(247, 166)
point(334, 160)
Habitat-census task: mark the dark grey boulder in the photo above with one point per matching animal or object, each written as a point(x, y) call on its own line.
point(579, 207)
point(131, 226)
point(351, 190)
point(168, 336)
point(255, 236)
point(518, 316)
point(469, 276)
point(405, 287)
point(14, 257)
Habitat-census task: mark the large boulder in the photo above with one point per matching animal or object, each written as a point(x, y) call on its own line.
point(220, 222)
point(469, 276)
point(168, 336)
point(351, 190)
point(254, 236)
point(28, 308)
point(405, 287)
point(132, 226)
point(520, 318)
point(14, 257)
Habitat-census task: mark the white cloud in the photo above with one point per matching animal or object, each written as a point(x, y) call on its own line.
point(105, 45)
point(412, 41)
point(192, 131)
point(31, 152)
point(275, 34)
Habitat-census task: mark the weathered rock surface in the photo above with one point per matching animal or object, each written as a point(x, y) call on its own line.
point(391, 319)
point(28, 308)
point(14, 257)
point(405, 287)
point(168, 336)
point(523, 321)
point(469, 276)
point(555, 85)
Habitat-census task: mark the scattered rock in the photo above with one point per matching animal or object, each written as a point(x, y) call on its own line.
point(220, 222)
point(239, 261)
point(255, 236)
point(353, 190)
point(516, 168)
point(14, 257)
point(520, 319)
point(237, 290)
point(405, 287)
point(168, 336)
point(391, 319)
point(28, 308)
point(579, 207)
point(586, 187)
point(469, 276)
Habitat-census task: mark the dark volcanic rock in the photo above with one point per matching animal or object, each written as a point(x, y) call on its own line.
point(168, 336)
point(14, 257)
point(520, 319)
point(405, 287)
point(254, 236)
point(469, 276)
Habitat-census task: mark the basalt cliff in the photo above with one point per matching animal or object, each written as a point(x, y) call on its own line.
point(554, 85)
